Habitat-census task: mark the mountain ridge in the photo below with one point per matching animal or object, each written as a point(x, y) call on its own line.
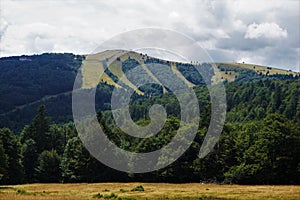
point(28, 81)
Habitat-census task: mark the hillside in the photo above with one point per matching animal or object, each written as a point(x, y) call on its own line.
point(231, 71)
point(259, 143)
point(28, 81)
point(119, 60)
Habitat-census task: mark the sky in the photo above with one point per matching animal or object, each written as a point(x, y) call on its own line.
point(258, 32)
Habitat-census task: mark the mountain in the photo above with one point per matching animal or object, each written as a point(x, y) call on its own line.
point(28, 81)
point(259, 143)
point(120, 61)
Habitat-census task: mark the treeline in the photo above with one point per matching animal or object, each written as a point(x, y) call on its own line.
point(29, 81)
point(24, 79)
point(260, 143)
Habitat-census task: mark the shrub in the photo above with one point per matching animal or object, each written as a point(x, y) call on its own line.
point(97, 196)
point(126, 198)
point(138, 188)
point(21, 191)
point(111, 196)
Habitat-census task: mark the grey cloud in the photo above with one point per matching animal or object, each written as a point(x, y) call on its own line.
point(222, 55)
point(238, 42)
point(78, 26)
point(282, 58)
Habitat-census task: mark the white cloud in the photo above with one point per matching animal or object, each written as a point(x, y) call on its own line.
point(3, 27)
point(266, 30)
point(174, 15)
point(228, 29)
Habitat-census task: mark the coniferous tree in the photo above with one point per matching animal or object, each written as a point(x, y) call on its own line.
point(39, 129)
point(29, 160)
point(3, 162)
point(48, 170)
point(12, 149)
point(74, 162)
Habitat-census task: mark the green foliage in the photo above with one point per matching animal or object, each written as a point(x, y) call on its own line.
point(111, 75)
point(48, 168)
point(74, 161)
point(197, 74)
point(22, 192)
point(28, 81)
point(129, 64)
point(3, 162)
point(260, 143)
point(29, 160)
point(28, 78)
point(110, 196)
point(126, 198)
point(12, 151)
point(97, 196)
point(249, 101)
point(39, 129)
point(268, 154)
point(56, 139)
point(77, 165)
point(42, 162)
point(138, 188)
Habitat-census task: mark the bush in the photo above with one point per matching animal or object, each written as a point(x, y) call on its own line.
point(126, 198)
point(21, 191)
point(111, 196)
point(97, 196)
point(138, 188)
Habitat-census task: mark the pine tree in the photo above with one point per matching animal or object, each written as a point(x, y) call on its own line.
point(3, 162)
point(12, 149)
point(40, 129)
point(29, 160)
point(48, 170)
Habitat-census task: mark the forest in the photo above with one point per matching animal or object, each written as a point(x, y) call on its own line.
point(259, 144)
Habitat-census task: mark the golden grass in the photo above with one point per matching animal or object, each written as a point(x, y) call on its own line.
point(152, 191)
point(92, 68)
point(230, 76)
point(258, 68)
point(93, 63)
point(138, 58)
point(179, 75)
point(91, 71)
point(116, 69)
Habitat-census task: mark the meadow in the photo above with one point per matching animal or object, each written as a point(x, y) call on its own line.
point(131, 191)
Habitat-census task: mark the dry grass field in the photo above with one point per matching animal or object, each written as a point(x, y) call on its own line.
point(151, 191)
point(93, 64)
point(231, 75)
point(258, 68)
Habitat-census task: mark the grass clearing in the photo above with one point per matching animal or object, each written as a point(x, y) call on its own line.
point(258, 68)
point(115, 58)
point(179, 75)
point(151, 191)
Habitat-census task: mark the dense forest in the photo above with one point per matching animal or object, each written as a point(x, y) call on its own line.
point(259, 144)
point(26, 82)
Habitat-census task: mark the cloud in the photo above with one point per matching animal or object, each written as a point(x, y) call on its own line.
point(263, 33)
point(237, 42)
point(174, 14)
point(3, 27)
point(266, 30)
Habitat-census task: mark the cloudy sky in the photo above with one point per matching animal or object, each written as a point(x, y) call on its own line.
point(260, 32)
